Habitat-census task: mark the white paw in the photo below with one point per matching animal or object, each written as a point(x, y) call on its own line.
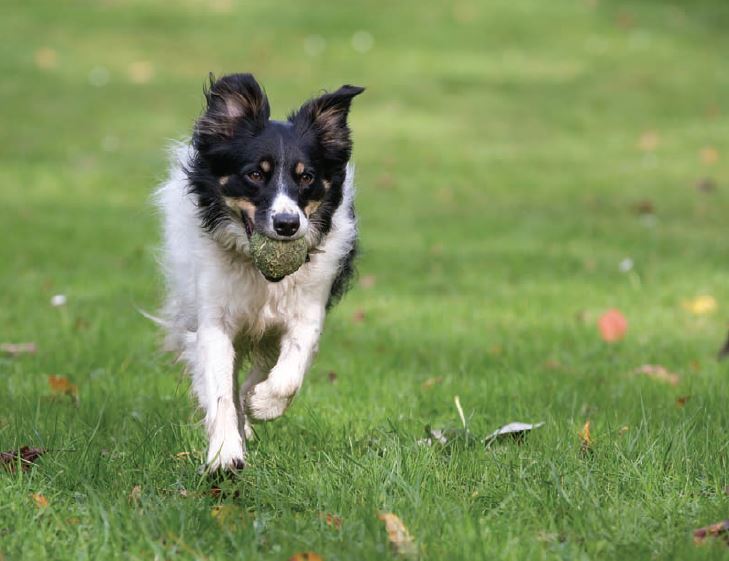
point(226, 454)
point(248, 431)
point(264, 403)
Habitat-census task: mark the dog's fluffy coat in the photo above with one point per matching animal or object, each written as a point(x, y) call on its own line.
point(239, 170)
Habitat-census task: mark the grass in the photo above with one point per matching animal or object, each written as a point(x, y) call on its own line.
point(502, 149)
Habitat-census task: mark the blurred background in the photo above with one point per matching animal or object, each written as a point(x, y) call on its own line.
point(522, 166)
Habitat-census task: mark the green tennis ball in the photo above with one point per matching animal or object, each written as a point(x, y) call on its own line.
point(277, 258)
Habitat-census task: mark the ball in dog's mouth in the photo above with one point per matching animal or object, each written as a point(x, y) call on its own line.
point(277, 258)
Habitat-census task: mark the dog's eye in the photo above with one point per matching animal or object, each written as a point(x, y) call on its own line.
point(255, 176)
point(307, 178)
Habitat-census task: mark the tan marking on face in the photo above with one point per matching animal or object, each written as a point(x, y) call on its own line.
point(265, 165)
point(311, 207)
point(224, 180)
point(299, 169)
point(327, 184)
point(244, 205)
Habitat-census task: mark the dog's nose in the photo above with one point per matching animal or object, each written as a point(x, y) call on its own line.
point(286, 224)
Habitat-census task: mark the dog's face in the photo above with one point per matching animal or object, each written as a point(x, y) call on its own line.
point(281, 178)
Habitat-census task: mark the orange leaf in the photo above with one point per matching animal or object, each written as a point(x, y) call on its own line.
point(60, 385)
point(612, 325)
point(39, 500)
point(658, 372)
point(585, 437)
point(331, 520)
point(400, 539)
point(306, 556)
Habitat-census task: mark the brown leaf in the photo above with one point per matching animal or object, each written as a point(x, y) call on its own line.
point(14, 349)
point(658, 372)
point(39, 500)
point(718, 530)
point(358, 316)
point(724, 351)
point(331, 520)
point(28, 456)
point(432, 381)
point(135, 495)
point(706, 185)
point(332, 376)
point(585, 438)
point(306, 556)
point(643, 207)
point(400, 539)
point(60, 385)
point(612, 325)
point(681, 400)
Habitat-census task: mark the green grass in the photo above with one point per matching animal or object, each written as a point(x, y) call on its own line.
point(498, 168)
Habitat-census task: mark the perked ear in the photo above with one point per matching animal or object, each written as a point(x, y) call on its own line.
point(233, 100)
point(326, 117)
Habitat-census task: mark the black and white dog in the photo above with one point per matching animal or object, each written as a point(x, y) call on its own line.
point(287, 179)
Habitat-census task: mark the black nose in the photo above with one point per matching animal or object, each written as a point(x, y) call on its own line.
point(286, 224)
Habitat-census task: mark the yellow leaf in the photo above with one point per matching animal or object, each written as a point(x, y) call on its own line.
point(701, 305)
point(40, 500)
point(709, 155)
point(400, 539)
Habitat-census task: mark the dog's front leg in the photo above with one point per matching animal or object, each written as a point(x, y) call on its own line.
point(299, 342)
point(213, 379)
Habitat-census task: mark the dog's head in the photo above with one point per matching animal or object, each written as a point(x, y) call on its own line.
point(281, 178)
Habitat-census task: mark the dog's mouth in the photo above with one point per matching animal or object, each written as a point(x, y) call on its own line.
point(247, 224)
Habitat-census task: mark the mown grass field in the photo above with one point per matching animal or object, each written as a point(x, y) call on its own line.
point(511, 155)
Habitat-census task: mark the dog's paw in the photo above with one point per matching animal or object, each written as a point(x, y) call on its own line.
point(248, 431)
point(264, 403)
point(225, 455)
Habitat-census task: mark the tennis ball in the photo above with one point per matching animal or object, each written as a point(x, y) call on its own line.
point(277, 258)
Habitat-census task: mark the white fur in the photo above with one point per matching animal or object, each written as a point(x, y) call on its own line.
point(220, 309)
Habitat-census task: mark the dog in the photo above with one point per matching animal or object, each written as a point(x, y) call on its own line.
point(243, 172)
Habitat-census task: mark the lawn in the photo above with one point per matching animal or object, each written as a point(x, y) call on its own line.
point(523, 167)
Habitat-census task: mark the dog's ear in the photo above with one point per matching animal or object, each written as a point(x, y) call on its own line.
point(326, 118)
point(235, 101)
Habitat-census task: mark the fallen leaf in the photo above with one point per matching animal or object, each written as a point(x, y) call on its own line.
point(400, 539)
point(332, 376)
point(46, 58)
point(718, 530)
point(724, 351)
point(706, 185)
point(331, 520)
point(60, 385)
point(14, 349)
point(135, 495)
point(27, 455)
point(368, 281)
point(658, 372)
point(709, 155)
point(306, 556)
point(585, 438)
point(39, 500)
point(622, 430)
point(701, 305)
point(140, 72)
point(645, 206)
point(649, 141)
point(681, 400)
point(612, 325)
point(514, 430)
point(358, 316)
point(432, 381)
